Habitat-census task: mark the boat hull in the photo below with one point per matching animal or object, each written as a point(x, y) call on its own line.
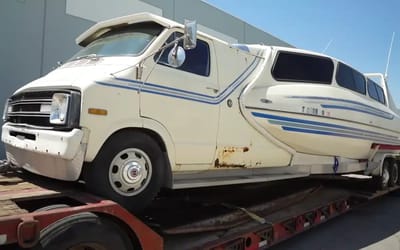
point(318, 136)
point(320, 123)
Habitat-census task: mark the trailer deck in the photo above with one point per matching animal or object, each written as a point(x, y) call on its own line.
point(254, 216)
point(33, 203)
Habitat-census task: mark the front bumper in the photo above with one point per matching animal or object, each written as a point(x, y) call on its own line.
point(54, 154)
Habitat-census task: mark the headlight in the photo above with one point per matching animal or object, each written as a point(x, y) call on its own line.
point(7, 109)
point(59, 108)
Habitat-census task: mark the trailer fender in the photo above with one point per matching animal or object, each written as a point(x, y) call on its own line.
point(86, 230)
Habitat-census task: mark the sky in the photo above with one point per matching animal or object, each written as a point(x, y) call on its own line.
point(358, 32)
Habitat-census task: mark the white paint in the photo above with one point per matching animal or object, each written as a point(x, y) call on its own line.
point(357, 176)
point(263, 243)
point(3, 239)
point(99, 10)
point(217, 34)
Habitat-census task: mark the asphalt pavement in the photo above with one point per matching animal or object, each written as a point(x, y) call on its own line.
point(373, 226)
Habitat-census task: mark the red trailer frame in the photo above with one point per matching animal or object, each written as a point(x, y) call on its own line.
point(24, 228)
point(259, 231)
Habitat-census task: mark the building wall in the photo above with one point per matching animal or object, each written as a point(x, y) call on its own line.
point(36, 34)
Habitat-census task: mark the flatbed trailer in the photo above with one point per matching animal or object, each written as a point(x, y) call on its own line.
point(38, 213)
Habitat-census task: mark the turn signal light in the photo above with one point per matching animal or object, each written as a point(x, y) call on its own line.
point(94, 111)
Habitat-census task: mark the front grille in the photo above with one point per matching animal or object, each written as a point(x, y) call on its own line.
point(33, 109)
point(26, 108)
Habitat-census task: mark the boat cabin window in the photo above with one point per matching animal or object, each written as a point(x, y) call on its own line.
point(381, 94)
point(350, 79)
point(295, 67)
point(375, 91)
point(197, 60)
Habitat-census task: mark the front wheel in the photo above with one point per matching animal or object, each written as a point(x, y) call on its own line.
point(128, 169)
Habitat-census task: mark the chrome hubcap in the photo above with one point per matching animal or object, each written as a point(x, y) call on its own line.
point(130, 172)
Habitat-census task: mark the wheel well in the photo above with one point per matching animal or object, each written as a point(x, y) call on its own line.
point(390, 158)
point(156, 137)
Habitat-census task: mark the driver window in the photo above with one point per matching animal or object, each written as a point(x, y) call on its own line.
point(197, 60)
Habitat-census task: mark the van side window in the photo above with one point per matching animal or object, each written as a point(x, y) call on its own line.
point(295, 67)
point(350, 79)
point(197, 60)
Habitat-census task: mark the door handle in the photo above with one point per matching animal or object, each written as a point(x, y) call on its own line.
point(214, 89)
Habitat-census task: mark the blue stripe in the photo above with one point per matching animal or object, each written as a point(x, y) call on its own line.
point(175, 96)
point(374, 111)
point(332, 99)
point(117, 86)
point(359, 134)
point(289, 124)
point(149, 91)
point(380, 114)
point(318, 132)
point(163, 87)
point(245, 73)
point(323, 124)
point(152, 88)
point(282, 118)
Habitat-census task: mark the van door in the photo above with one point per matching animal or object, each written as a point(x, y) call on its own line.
point(183, 100)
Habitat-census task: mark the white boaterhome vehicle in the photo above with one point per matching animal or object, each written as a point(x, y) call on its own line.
point(134, 111)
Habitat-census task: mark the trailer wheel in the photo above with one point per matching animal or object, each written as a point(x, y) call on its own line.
point(398, 172)
point(382, 181)
point(129, 169)
point(51, 207)
point(394, 173)
point(84, 231)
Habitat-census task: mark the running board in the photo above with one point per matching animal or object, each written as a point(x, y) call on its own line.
point(220, 181)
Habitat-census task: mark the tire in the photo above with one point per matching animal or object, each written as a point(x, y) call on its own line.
point(382, 181)
point(398, 171)
point(83, 231)
point(394, 173)
point(51, 207)
point(129, 169)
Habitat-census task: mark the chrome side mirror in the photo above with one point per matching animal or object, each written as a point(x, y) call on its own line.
point(190, 36)
point(176, 56)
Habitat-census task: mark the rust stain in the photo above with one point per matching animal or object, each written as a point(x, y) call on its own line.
point(217, 164)
point(235, 149)
point(231, 157)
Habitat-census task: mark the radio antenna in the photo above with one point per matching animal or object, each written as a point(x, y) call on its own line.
point(388, 58)
point(327, 46)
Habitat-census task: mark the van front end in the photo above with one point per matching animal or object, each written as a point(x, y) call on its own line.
point(42, 133)
point(83, 121)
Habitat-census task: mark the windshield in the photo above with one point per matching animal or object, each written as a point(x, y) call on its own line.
point(126, 41)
